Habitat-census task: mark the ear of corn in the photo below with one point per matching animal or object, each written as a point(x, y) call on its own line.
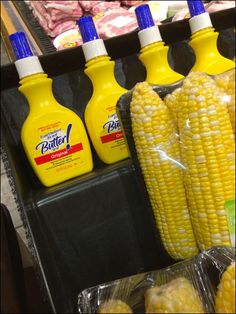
point(225, 297)
point(158, 152)
point(208, 153)
point(177, 296)
point(226, 82)
point(114, 306)
point(172, 103)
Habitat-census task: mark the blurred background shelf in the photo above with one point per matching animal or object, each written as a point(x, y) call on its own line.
point(16, 16)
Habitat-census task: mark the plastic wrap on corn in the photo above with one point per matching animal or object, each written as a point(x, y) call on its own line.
point(208, 153)
point(226, 82)
point(114, 306)
point(225, 297)
point(158, 152)
point(177, 296)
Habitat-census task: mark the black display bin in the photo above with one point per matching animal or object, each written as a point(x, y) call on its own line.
point(97, 227)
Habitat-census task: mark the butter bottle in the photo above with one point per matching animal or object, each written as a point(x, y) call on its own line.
point(53, 137)
point(102, 122)
point(204, 42)
point(154, 53)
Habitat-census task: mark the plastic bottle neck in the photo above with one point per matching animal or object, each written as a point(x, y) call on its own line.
point(100, 70)
point(208, 58)
point(37, 89)
point(155, 59)
point(201, 33)
point(204, 43)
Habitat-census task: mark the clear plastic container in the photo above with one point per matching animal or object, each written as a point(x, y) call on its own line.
point(203, 272)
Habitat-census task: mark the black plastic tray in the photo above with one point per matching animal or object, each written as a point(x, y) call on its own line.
point(97, 227)
point(204, 271)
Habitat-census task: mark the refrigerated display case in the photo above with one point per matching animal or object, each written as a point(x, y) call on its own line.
point(97, 227)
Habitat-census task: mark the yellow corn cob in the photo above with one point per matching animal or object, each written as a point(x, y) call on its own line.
point(114, 306)
point(158, 152)
point(208, 152)
point(171, 101)
point(177, 296)
point(225, 297)
point(226, 82)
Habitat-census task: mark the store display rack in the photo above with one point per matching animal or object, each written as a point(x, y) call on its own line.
point(97, 227)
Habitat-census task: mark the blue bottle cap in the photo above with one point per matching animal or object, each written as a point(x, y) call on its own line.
point(20, 45)
point(195, 7)
point(144, 17)
point(87, 29)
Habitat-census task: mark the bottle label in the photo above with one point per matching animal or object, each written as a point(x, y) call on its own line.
point(59, 154)
point(106, 132)
point(58, 147)
point(112, 130)
point(230, 212)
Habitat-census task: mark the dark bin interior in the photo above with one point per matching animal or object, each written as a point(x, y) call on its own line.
point(97, 227)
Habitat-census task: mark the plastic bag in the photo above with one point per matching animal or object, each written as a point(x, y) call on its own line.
point(182, 142)
point(200, 275)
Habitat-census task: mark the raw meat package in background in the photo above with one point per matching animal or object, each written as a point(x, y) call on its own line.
point(102, 6)
point(210, 7)
point(115, 22)
point(55, 18)
point(159, 10)
point(112, 18)
point(203, 284)
point(87, 5)
point(130, 3)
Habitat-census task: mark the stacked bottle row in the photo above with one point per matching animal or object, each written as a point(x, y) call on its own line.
point(54, 137)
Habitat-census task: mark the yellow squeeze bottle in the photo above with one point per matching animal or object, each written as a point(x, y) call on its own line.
point(204, 42)
point(53, 137)
point(100, 114)
point(154, 53)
